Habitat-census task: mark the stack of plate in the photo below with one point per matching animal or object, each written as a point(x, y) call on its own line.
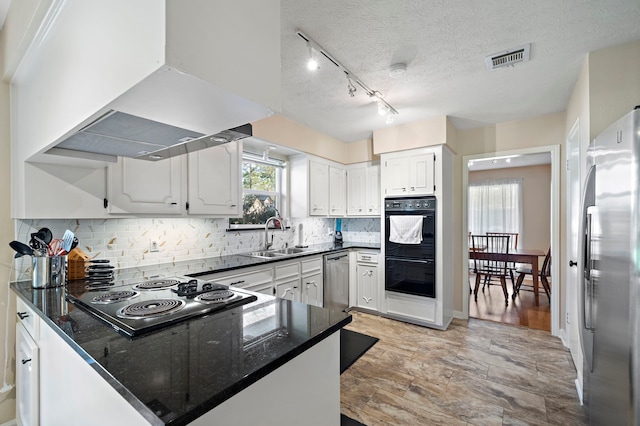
point(99, 273)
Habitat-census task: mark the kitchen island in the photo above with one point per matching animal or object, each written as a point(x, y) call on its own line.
point(272, 361)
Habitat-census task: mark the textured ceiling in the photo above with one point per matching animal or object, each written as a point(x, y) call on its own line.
point(444, 44)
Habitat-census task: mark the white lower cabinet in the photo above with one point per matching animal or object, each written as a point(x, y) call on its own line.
point(258, 280)
point(312, 282)
point(288, 284)
point(367, 286)
point(27, 376)
point(367, 280)
point(299, 280)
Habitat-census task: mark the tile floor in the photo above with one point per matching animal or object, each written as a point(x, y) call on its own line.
point(474, 373)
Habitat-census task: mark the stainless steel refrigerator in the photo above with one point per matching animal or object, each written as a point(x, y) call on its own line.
point(610, 275)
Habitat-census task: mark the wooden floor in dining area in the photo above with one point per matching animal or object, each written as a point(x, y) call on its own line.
point(522, 311)
point(474, 373)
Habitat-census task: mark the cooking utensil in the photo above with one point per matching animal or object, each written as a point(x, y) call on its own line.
point(46, 235)
point(56, 248)
point(38, 244)
point(74, 244)
point(21, 248)
point(67, 240)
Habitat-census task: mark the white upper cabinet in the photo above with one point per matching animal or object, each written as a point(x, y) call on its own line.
point(410, 175)
point(318, 187)
point(208, 180)
point(373, 201)
point(214, 181)
point(356, 189)
point(337, 191)
point(138, 186)
point(363, 190)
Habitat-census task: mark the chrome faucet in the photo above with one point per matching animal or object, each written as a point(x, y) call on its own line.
point(278, 218)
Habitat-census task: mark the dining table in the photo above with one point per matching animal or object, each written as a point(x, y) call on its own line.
point(522, 255)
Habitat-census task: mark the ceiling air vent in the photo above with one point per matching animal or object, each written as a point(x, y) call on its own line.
point(508, 57)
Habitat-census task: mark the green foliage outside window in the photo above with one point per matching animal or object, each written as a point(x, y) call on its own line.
point(260, 195)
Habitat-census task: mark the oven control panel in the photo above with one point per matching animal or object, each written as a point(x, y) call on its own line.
point(409, 204)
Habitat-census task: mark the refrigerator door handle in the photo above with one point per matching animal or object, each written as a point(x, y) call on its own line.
point(588, 279)
point(584, 286)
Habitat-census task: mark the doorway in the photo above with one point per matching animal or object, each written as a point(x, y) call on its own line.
point(499, 310)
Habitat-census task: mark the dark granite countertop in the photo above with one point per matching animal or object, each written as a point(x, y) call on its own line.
point(174, 375)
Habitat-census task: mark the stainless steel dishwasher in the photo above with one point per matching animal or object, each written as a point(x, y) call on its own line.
point(336, 280)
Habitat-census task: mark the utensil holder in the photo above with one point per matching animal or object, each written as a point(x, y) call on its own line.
point(49, 271)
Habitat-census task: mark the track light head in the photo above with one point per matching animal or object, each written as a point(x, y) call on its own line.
point(312, 62)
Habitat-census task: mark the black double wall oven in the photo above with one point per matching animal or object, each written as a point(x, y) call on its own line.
point(410, 268)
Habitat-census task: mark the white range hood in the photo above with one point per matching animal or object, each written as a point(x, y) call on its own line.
point(176, 71)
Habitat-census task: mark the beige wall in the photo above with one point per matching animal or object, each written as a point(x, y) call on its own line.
point(282, 131)
point(536, 201)
point(614, 84)
point(538, 131)
point(432, 131)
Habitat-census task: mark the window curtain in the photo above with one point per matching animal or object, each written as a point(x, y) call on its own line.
point(495, 206)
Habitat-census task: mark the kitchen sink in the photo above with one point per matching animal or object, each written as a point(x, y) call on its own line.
point(294, 250)
point(281, 253)
point(265, 254)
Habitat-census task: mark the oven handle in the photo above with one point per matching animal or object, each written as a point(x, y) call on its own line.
point(401, 259)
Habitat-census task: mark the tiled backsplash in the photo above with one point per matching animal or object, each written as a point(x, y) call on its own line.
point(126, 242)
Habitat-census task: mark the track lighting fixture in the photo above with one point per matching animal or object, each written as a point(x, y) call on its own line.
point(351, 88)
point(315, 50)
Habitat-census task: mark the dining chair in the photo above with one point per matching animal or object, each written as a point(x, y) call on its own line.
point(543, 275)
point(514, 246)
point(493, 266)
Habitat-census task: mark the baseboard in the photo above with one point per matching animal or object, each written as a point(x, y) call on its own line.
point(563, 337)
point(579, 390)
point(10, 423)
point(460, 315)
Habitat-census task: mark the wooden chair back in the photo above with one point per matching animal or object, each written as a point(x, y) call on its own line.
point(513, 235)
point(498, 244)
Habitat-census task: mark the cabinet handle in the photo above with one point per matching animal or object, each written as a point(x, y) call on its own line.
point(23, 315)
point(173, 204)
point(237, 282)
point(24, 361)
point(413, 188)
point(233, 206)
point(404, 189)
point(309, 283)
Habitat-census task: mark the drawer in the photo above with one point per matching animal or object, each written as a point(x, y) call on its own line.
point(27, 317)
point(367, 257)
point(247, 279)
point(313, 265)
point(288, 270)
